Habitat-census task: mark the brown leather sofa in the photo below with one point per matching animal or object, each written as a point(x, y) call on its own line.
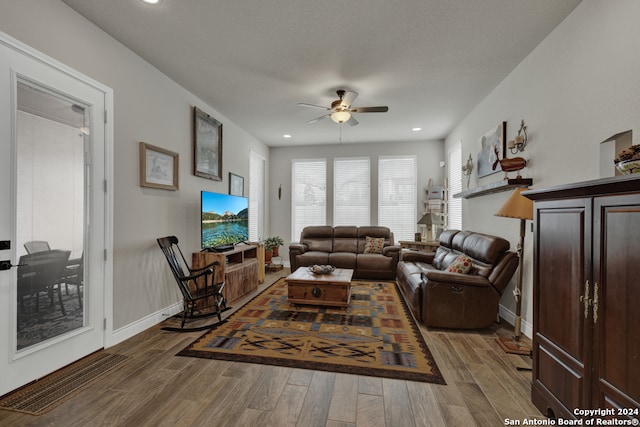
point(444, 299)
point(344, 247)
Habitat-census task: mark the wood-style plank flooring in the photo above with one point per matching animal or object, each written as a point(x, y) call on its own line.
point(155, 388)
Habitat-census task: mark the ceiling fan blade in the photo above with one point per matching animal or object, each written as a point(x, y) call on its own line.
point(318, 119)
point(348, 99)
point(369, 110)
point(352, 121)
point(302, 104)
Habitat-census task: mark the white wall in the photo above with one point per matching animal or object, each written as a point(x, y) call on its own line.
point(148, 107)
point(429, 153)
point(577, 88)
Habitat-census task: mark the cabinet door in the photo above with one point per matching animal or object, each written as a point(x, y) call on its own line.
point(562, 340)
point(616, 315)
point(241, 280)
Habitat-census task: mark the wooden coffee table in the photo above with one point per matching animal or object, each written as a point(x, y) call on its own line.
point(320, 289)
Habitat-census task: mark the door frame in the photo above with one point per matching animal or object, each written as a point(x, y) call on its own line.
point(107, 157)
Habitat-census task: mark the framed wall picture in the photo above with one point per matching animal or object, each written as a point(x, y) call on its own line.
point(158, 167)
point(236, 185)
point(207, 146)
point(492, 148)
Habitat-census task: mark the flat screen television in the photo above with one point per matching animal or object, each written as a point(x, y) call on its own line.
point(224, 220)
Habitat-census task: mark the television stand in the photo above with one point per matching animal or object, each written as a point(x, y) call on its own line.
point(239, 269)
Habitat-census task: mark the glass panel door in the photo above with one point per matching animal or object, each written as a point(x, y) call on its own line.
point(51, 135)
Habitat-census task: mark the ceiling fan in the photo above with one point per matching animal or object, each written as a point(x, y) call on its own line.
point(341, 110)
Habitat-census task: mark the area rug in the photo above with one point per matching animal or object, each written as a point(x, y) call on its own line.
point(43, 395)
point(374, 336)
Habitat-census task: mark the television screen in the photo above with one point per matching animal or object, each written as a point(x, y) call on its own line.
point(224, 219)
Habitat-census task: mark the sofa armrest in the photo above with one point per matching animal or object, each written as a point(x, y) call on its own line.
point(455, 278)
point(391, 251)
point(410, 255)
point(296, 249)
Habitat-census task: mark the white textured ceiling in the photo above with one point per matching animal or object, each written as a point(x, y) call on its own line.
point(430, 61)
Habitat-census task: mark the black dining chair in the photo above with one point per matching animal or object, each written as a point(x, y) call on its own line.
point(41, 272)
point(34, 246)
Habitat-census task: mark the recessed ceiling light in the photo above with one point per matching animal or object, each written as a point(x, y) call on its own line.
point(416, 129)
point(151, 1)
point(286, 135)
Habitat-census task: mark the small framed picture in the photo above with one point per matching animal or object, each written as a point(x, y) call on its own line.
point(207, 146)
point(158, 167)
point(236, 185)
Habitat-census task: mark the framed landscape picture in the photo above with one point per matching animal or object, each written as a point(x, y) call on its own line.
point(236, 185)
point(207, 146)
point(158, 167)
point(491, 150)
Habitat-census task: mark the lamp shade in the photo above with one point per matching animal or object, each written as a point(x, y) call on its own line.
point(430, 219)
point(517, 206)
point(340, 116)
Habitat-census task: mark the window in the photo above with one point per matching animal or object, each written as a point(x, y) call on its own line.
point(397, 204)
point(309, 195)
point(352, 192)
point(256, 197)
point(455, 186)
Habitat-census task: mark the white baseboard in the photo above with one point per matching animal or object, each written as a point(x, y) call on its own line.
point(141, 325)
point(147, 322)
point(510, 317)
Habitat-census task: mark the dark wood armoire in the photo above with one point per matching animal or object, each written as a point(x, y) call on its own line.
point(586, 325)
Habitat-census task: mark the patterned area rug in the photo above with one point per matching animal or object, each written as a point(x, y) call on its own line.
point(374, 336)
point(52, 390)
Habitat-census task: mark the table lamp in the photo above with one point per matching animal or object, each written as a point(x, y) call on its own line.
point(519, 207)
point(428, 220)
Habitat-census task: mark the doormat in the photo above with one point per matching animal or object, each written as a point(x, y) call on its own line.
point(374, 336)
point(45, 394)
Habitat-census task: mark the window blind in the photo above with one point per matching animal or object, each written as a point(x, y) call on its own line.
point(256, 196)
point(352, 191)
point(397, 198)
point(309, 195)
point(454, 167)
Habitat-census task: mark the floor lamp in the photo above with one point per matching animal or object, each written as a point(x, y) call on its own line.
point(519, 207)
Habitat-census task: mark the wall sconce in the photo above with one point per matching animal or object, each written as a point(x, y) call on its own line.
point(467, 168)
point(518, 144)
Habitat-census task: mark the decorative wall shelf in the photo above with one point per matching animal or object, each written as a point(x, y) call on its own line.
point(496, 187)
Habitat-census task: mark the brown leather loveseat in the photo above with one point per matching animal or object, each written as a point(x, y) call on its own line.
point(369, 251)
point(440, 298)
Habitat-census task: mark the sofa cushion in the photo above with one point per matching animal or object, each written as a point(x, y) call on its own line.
point(462, 264)
point(373, 245)
point(345, 239)
point(441, 252)
point(342, 259)
point(313, 257)
point(318, 238)
point(485, 248)
point(373, 231)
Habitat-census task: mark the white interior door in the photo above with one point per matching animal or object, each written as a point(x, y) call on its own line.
point(52, 219)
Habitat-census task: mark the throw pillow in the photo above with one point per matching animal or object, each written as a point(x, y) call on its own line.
point(462, 264)
point(373, 245)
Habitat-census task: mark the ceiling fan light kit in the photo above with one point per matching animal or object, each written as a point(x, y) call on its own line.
point(341, 111)
point(340, 116)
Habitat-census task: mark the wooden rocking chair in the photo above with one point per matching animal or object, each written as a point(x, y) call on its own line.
point(202, 296)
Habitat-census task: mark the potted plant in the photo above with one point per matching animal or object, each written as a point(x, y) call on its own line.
point(274, 242)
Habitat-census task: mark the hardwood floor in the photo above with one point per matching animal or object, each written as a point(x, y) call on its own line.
point(155, 388)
